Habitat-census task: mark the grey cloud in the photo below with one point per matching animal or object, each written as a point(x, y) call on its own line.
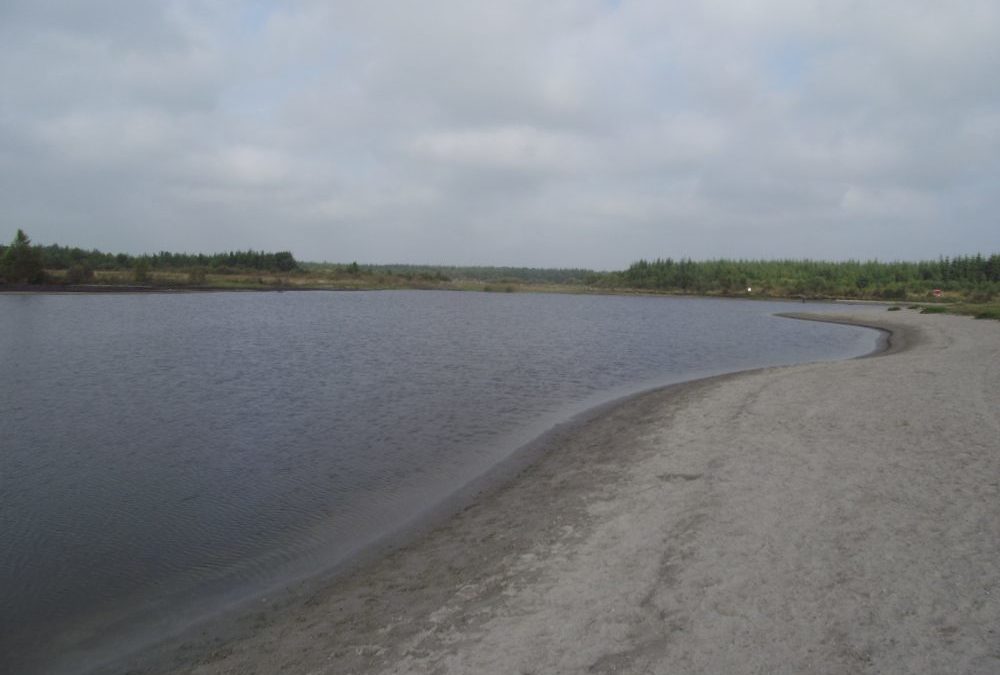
point(567, 133)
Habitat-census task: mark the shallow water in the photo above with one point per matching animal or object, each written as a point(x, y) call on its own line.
point(161, 452)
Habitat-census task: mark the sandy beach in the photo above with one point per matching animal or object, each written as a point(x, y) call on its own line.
point(824, 518)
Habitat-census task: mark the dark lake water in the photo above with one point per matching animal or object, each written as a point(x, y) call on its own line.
point(160, 454)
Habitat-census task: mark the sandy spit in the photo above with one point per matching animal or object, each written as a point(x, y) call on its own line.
point(825, 518)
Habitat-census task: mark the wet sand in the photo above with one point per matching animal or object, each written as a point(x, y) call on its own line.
point(824, 518)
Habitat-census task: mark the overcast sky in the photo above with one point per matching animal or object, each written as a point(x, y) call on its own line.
point(559, 133)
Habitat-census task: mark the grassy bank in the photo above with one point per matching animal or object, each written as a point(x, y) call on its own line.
point(977, 310)
point(964, 284)
point(346, 280)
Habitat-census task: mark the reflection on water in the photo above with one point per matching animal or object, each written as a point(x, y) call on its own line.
point(156, 448)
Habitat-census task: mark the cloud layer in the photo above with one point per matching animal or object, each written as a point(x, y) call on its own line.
point(584, 133)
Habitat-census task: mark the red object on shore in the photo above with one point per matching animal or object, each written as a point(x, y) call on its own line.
point(936, 292)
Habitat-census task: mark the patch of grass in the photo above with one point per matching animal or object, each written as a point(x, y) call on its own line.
point(913, 307)
point(989, 310)
point(895, 308)
point(934, 310)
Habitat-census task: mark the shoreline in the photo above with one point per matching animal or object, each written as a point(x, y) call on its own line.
point(468, 566)
point(221, 622)
point(566, 289)
point(239, 622)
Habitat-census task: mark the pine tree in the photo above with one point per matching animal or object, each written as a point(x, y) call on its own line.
point(21, 262)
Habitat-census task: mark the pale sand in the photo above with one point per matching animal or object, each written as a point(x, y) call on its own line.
point(826, 518)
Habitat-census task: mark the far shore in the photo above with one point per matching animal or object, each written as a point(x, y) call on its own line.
point(125, 289)
point(444, 286)
point(983, 311)
point(825, 518)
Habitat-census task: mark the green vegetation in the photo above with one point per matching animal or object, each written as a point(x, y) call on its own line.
point(24, 263)
point(934, 309)
point(492, 275)
point(64, 257)
point(964, 284)
point(973, 277)
point(20, 263)
point(140, 273)
point(987, 312)
point(79, 273)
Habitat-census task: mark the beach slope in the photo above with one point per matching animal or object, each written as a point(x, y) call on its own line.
point(825, 518)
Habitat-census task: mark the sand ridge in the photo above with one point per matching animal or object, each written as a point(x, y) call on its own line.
point(825, 518)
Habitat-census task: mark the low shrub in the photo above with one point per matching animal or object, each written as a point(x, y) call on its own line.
point(79, 274)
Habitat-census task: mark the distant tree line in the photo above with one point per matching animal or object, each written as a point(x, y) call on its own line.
point(485, 273)
point(976, 277)
point(63, 257)
point(23, 262)
point(977, 274)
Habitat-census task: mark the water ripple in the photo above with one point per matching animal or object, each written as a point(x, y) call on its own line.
point(161, 448)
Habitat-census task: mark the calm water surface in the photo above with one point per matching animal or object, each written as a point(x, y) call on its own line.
point(161, 451)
